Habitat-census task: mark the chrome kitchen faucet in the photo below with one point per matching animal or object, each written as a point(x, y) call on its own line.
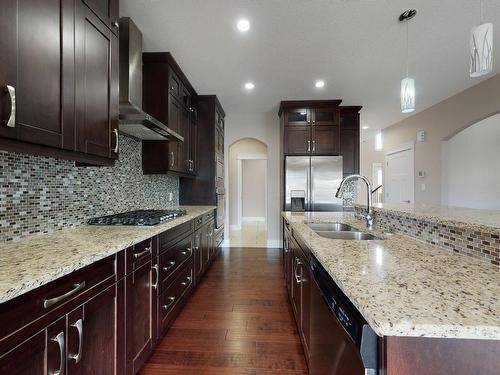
point(340, 192)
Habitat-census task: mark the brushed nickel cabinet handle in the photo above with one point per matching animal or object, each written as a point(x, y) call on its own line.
point(187, 251)
point(172, 158)
point(60, 341)
point(314, 146)
point(11, 122)
point(116, 24)
point(308, 146)
point(157, 275)
point(167, 306)
point(297, 264)
point(79, 327)
point(52, 301)
point(171, 264)
point(142, 253)
point(115, 132)
point(188, 279)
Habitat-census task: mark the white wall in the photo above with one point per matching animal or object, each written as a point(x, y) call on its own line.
point(253, 188)
point(471, 161)
point(265, 128)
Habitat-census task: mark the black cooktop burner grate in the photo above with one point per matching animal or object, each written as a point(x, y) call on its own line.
point(138, 218)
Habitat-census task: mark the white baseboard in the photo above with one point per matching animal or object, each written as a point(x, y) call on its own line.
point(275, 244)
point(235, 227)
point(225, 243)
point(259, 219)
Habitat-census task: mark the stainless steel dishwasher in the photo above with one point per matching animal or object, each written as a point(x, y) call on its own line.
point(342, 342)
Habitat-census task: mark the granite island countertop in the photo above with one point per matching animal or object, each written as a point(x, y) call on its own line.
point(405, 287)
point(39, 259)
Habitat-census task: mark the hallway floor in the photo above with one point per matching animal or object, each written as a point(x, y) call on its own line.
point(238, 321)
point(252, 234)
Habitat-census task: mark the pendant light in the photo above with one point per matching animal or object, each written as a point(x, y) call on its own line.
point(481, 48)
point(408, 83)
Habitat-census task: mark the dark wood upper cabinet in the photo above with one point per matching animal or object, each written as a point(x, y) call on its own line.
point(169, 97)
point(96, 68)
point(60, 63)
point(297, 140)
point(107, 11)
point(349, 135)
point(321, 127)
point(36, 68)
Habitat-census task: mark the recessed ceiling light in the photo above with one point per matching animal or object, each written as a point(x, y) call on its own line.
point(243, 25)
point(365, 127)
point(249, 86)
point(319, 84)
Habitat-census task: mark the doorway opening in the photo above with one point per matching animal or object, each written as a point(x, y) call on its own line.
point(248, 193)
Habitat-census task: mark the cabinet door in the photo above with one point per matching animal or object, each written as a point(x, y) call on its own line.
point(43, 353)
point(185, 149)
point(96, 69)
point(325, 116)
point(36, 64)
point(349, 149)
point(193, 141)
point(139, 317)
point(198, 258)
point(93, 335)
point(297, 140)
point(219, 140)
point(107, 11)
point(296, 287)
point(297, 117)
point(325, 140)
point(305, 286)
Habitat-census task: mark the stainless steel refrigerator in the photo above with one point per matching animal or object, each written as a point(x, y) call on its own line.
point(318, 177)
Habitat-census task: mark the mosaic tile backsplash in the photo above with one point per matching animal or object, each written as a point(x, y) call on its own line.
point(42, 194)
point(477, 244)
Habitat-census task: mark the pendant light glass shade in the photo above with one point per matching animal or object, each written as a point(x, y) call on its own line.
point(407, 95)
point(481, 50)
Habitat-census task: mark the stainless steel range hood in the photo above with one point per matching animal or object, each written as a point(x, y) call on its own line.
point(133, 120)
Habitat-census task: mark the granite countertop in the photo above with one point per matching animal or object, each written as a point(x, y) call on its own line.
point(39, 259)
point(461, 217)
point(405, 287)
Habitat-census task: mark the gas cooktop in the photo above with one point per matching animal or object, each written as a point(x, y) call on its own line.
point(138, 218)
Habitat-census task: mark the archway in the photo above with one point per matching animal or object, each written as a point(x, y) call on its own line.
point(247, 198)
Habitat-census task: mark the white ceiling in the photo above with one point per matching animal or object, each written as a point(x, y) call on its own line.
point(356, 46)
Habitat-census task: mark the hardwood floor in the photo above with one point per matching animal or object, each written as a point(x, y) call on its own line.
point(238, 321)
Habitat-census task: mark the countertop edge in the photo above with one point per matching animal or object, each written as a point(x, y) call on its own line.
point(26, 287)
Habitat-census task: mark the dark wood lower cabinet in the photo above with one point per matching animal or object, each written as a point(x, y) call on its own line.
point(116, 310)
point(140, 301)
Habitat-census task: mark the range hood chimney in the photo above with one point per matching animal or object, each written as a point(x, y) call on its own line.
point(133, 120)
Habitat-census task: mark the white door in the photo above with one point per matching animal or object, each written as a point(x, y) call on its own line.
point(399, 176)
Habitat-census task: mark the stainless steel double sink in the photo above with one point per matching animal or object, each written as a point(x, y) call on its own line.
point(340, 231)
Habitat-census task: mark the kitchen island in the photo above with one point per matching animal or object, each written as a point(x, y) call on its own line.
point(423, 301)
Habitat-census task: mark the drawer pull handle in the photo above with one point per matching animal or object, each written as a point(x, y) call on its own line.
point(60, 341)
point(79, 327)
point(167, 306)
point(187, 251)
point(298, 263)
point(117, 136)
point(155, 285)
point(142, 253)
point(52, 301)
point(171, 264)
point(11, 122)
point(188, 279)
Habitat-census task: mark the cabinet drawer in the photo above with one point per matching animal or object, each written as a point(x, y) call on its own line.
point(137, 255)
point(171, 237)
point(198, 222)
point(55, 297)
point(172, 259)
point(171, 300)
point(208, 216)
